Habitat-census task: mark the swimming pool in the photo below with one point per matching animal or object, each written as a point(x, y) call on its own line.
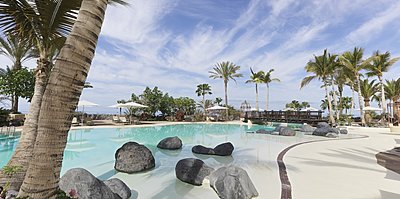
point(94, 149)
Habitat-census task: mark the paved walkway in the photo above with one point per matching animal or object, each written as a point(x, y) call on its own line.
point(344, 169)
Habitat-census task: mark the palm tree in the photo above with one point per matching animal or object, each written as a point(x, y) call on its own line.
point(322, 67)
point(62, 92)
point(368, 90)
point(256, 78)
point(226, 71)
point(202, 90)
point(379, 64)
point(44, 25)
point(266, 79)
point(17, 51)
point(392, 91)
point(353, 62)
point(218, 100)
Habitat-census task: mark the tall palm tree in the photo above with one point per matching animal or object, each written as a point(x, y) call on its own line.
point(368, 90)
point(256, 78)
point(266, 79)
point(203, 90)
point(392, 91)
point(17, 51)
point(379, 64)
point(353, 62)
point(60, 99)
point(226, 71)
point(322, 67)
point(43, 24)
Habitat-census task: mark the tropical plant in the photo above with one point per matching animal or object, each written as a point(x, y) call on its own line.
point(368, 90)
point(202, 90)
point(256, 78)
point(345, 103)
point(17, 51)
point(218, 101)
point(322, 67)
point(294, 104)
point(266, 79)
point(392, 91)
point(380, 63)
point(354, 62)
point(185, 104)
point(226, 71)
point(58, 103)
point(17, 83)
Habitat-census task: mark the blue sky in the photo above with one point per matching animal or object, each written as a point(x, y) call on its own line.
point(173, 44)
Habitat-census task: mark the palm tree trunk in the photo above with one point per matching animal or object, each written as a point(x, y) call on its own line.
point(14, 106)
point(204, 106)
point(257, 107)
point(332, 119)
point(352, 100)
point(23, 153)
point(60, 100)
point(267, 98)
point(360, 100)
point(335, 101)
point(383, 100)
point(226, 96)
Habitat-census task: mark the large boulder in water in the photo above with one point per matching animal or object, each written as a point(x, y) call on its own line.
point(285, 131)
point(263, 131)
point(325, 130)
point(202, 150)
point(192, 171)
point(307, 128)
point(133, 157)
point(232, 183)
point(322, 124)
point(85, 185)
point(224, 149)
point(171, 143)
point(117, 186)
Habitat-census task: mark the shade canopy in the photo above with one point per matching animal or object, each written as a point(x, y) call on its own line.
point(128, 105)
point(84, 103)
point(254, 109)
point(217, 107)
point(370, 108)
point(310, 109)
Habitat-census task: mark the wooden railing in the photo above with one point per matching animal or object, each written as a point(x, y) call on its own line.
point(286, 116)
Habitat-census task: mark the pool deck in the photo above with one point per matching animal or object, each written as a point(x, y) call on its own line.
point(344, 168)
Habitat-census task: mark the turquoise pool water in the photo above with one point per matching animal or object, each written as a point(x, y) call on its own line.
point(94, 150)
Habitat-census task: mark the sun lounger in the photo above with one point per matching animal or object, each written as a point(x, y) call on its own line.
point(123, 120)
point(75, 121)
point(115, 119)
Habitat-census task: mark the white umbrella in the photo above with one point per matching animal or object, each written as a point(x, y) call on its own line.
point(370, 108)
point(217, 107)
point(83, 103)
point(310, 109)
point(127, 105)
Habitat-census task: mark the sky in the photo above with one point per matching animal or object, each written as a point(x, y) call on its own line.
point(173, 44)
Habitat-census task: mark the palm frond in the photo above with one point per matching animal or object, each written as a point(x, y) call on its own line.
point(307, 80)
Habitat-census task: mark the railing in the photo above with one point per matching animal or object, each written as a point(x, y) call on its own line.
point(286, 116)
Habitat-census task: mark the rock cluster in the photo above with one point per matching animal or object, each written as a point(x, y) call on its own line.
point(87, 186)
point(224, 149)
